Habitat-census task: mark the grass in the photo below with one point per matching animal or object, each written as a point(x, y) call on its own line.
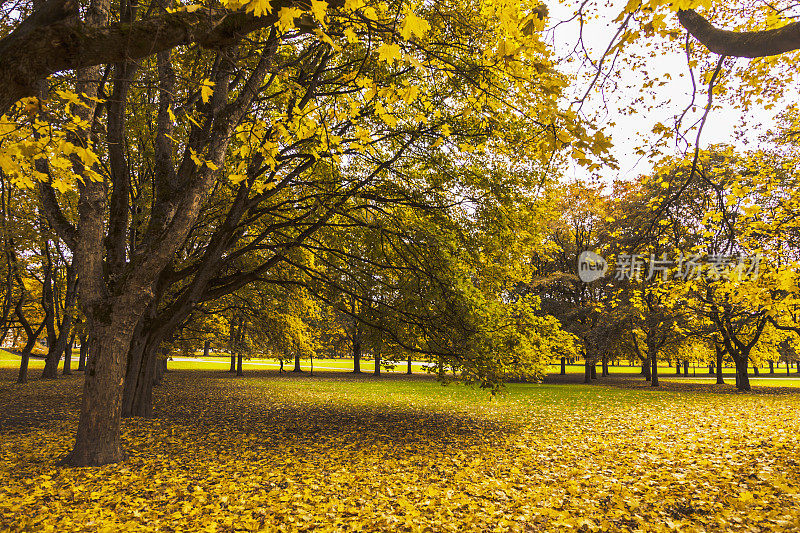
point(335, 451)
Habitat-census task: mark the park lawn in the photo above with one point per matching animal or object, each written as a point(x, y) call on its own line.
point(338, 452)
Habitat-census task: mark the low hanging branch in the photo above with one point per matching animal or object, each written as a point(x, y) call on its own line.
point(52, 39)
point(741, 44)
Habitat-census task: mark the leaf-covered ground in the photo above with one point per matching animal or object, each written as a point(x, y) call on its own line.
point(330, 452)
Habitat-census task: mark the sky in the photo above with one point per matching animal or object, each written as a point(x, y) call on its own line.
point(631, 131)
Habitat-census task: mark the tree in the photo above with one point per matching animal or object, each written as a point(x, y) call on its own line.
point(348, 101)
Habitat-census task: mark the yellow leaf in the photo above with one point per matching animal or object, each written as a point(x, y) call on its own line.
point(206, 90)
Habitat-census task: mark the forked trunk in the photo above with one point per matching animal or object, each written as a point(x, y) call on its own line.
point(137, 397)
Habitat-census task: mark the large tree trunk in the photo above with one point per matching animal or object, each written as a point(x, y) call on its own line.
point(206, 348)
point(677, 367)
point(239, 371)
point(297, 363)
point(720, 378)
point(685, 367)
point(772, 367)
point(98, 438)
point(563, 366)
point(408, 370)
point(377, 370)
point(587, 371)
point(646, 370)
point(605, 366)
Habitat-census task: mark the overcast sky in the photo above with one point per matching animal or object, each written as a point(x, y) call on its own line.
point(631, 131)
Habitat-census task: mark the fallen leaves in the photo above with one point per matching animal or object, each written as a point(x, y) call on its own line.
point(328, 453)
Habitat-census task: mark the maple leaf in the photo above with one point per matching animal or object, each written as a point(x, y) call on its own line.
point(413, 25)
point(389, 52)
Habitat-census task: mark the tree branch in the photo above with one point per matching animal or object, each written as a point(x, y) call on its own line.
point(52, 40)
point(741, 44)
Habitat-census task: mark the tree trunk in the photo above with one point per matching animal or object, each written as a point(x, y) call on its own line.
point(677, 367)
point(233, 363)
point(239, 371)
point(605, 366)
point(67, 370)
point(742, 381)
point(563, 366)
point(65, 330)
point(648, 376)
point(720, 378)
point(594, 369)
point(84, 351)
point(408, 370)
point(685, 368)
point(377, 362)
point(587, 371)
point(711, 369)
point(54, 348)
point(772, 367)
point(788, 367)
point(653, 369)
point(356, 356)
point(297, 363)
point(755, 370)
point(206, 348)
point(29, 344)
point(98, 438)
point(137, 397)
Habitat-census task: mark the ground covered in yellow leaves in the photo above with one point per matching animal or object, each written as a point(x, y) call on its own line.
point(330, 452)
